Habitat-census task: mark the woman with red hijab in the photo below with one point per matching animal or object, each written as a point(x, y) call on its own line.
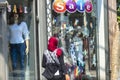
point(53, 56)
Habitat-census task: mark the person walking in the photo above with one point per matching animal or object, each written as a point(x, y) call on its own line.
point(53, 61)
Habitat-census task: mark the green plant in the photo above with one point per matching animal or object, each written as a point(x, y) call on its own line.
point(118, 11)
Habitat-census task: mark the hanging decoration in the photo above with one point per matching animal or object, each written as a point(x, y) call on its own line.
point(25, 10)
point(20, 9)
point(17, 9)
point(9, 8)
point(14, 9)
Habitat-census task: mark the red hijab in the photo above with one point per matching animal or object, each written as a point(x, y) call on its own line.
point(53, 44)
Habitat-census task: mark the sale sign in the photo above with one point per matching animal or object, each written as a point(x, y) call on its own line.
point(72, 6)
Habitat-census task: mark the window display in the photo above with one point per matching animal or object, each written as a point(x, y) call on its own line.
point(74, 23)
point(20, 25)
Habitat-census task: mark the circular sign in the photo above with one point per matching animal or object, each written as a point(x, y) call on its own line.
point(88, 7)
point(59, 6)
point(71, 6)
point(80, 6)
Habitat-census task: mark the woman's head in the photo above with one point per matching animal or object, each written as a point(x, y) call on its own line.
point(52, 43)
point(20, 19)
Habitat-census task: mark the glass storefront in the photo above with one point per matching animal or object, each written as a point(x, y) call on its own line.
point(74, 23)
point(24, 7)
point(78, 26)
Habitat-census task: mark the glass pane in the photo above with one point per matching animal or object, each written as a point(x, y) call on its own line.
point(1, 32)
point(74, 23)
point(21, 66)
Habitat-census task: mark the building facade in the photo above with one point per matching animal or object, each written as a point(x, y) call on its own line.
point(92, 18)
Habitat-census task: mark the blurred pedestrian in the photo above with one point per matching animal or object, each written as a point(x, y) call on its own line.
point(53, 61)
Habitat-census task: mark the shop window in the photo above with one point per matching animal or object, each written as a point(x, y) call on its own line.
point(21, 66)
point(74, 23)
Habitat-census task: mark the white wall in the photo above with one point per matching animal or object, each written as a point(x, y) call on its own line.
point(101, 40)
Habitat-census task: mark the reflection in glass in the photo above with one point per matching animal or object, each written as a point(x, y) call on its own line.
point(77, 34)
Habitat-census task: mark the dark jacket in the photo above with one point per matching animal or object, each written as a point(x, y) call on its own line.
point(46, 63)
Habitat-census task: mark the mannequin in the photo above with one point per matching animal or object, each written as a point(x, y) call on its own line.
point(19, 43)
